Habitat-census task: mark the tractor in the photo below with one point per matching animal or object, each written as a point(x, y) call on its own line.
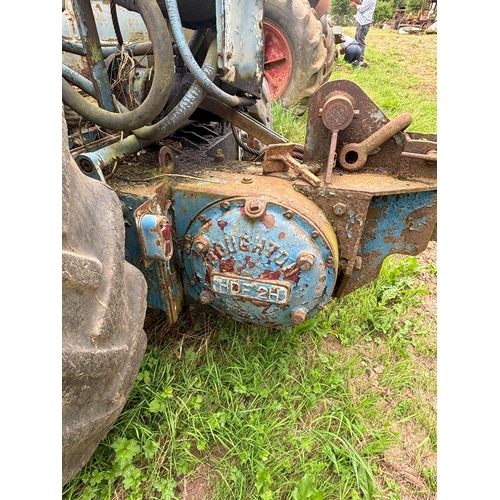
point(177, 194)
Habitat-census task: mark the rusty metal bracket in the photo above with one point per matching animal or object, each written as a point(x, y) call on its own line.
point(243, 121)
point(368, 121)
point(278, 158)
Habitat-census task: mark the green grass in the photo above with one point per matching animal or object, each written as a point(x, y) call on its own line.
point(315, 412)
point(270, 413)
point(401, 79)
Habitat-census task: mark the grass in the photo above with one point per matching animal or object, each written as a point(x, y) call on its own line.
point(402, 78)
point(340, 407)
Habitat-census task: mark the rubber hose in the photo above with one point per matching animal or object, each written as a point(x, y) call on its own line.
point(160, 88)
point(189, 60)
point(78, 80)
point(146, 135)
point(196, 40)
point(186, 106)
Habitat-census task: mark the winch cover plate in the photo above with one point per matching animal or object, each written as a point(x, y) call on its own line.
point(260, 262)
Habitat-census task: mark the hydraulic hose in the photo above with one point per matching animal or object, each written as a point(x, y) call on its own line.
point(146, 135)
point(189, 60)
point(186, 106)
point(160, 88)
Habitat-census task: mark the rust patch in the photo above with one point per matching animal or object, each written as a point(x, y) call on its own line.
point(270, 275)
point(268, 220)
point(228, 265)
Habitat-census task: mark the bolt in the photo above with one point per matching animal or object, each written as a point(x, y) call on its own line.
point(219, 156)
point(288, 214)
point(247, 180)
point(305, 261)
point(202, 217)
point(206, 298)
point(298, 316)
point(329, 262)
point(224, 205)
point(339, 209)
point(314, 234)
point(254, 208)
point(201, 244)
point(358, 262)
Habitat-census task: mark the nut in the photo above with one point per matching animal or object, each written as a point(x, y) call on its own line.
point(339, 209)
point(255, 208)
point(201, 244)
point(298, 316)
point(206, 298)
point(305, 261)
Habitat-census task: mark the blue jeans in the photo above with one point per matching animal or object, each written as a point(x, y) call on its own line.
point(352, 52)
point(360, 36)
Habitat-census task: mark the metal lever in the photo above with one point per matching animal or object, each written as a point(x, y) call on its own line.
point(353, 156)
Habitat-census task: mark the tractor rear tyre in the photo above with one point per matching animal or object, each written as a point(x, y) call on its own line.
point(294, 52)
point(103, 310)
point(331, 50)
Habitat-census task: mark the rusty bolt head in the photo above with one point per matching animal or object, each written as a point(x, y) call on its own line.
point(201, 244)
point(288, 214)
point(225, 205)
point(247, 180)
point(298, 316)
point(255, 208)
point(305, 261)
point(329, 261)
point(206, 298)
point(314, 234)
point(339, 209)
point(202, 217)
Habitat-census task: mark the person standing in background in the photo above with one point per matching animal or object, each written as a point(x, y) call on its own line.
point(364, 18)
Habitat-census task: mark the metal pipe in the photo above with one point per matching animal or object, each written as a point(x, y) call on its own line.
point(78, 80)
point(146, 135)
point(134, 49)
point(160, 88)
point(189, 60)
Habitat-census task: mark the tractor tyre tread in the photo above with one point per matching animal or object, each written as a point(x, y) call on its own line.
point(331, 49)
point(103, 310)
point(302, 28)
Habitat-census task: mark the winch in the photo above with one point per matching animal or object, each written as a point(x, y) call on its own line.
point(260, 259)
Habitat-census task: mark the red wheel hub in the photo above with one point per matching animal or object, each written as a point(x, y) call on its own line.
point(277, 59)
